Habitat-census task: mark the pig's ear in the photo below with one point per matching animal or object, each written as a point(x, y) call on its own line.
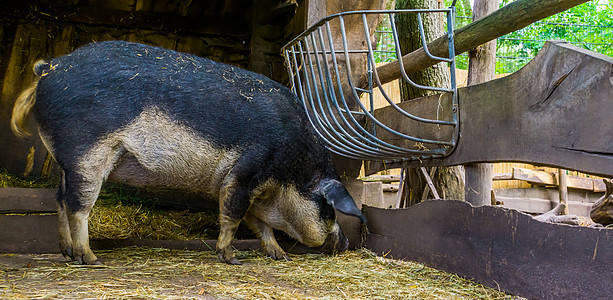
point(337, 196)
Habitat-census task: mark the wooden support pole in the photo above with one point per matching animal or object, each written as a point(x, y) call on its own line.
point(424, 195)
point(562, 182)
point(430, 183)
point(512, 17)
point(400, 188)
point(481, 68)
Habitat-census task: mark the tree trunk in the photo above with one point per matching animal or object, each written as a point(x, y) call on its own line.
point(448, 180)
point(481, 68)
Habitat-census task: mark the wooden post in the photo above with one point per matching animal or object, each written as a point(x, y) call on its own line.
point(481, 68)
point(426, 191)
point(400, 188)
point(430, 183)
point(562, 183)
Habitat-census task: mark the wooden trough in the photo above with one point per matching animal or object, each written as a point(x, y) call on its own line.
point(498, 247)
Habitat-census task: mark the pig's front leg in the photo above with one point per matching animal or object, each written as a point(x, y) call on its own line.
point(233, 205)
point(266, 235)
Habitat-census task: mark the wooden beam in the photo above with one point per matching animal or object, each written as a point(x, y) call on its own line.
point(534, 176)
point(430, 183)
point(563, 187)
point(196, 245)
point(546, 178)
point(542, 199)
point(382, 178)
point(426, 192)
point(481, 68)
point(390, 187)
point(29, 233)
point(555, 111)
point(502, 176)
point(512, 17)
point(22, 200)
point(599, 185)
point(213, 23)
point(539, 205)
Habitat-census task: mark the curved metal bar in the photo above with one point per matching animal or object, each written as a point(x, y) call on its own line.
point(394, 105)
point(339, 109)
point(299, 82)
point(386, 128)
point(423, 41)
point(290, 72)
point(330, 17)
point(342, 97)
point(325, 117)
point(334, 121)
point(327, 86)
point(380, 142)
point(369, 152)
point(403, 71)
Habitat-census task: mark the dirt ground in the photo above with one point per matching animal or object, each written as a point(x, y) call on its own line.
point(149, 273)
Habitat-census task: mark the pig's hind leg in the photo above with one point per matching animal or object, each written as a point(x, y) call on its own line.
point(266, 235)
point(82, 180)
point(64, 228)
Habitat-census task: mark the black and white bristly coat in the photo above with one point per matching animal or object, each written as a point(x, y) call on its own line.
point(148, 116)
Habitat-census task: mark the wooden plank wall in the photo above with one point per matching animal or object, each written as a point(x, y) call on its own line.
point(392, 90)
point(225, 31)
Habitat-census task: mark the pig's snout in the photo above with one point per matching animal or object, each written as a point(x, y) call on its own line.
point(336, 241)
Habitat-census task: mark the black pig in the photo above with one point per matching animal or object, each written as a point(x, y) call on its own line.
point(148, 116)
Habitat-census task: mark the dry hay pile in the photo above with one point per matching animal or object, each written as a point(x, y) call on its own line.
point(138, 273)
point(121, 213)
point(115, 220)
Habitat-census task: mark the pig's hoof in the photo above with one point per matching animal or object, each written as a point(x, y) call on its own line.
point(67, 252)
point(234, 261)
point(277, 254)
point(228, 258)
point(96, 263)
point(84, 260)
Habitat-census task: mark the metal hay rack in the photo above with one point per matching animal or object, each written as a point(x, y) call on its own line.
point(328, 73)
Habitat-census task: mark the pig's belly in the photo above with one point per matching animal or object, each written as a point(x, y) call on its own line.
point(162, 153)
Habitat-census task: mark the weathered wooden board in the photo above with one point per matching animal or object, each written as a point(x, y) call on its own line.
point(220, 30)
point(194, 245)
point(29, 234)
point(546, 178)
point(21, 200)
point(556, 111)
point(498, 247)
point(540, 200)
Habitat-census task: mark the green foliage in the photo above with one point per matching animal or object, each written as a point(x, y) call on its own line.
point(386, 48)
point(589, 25)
